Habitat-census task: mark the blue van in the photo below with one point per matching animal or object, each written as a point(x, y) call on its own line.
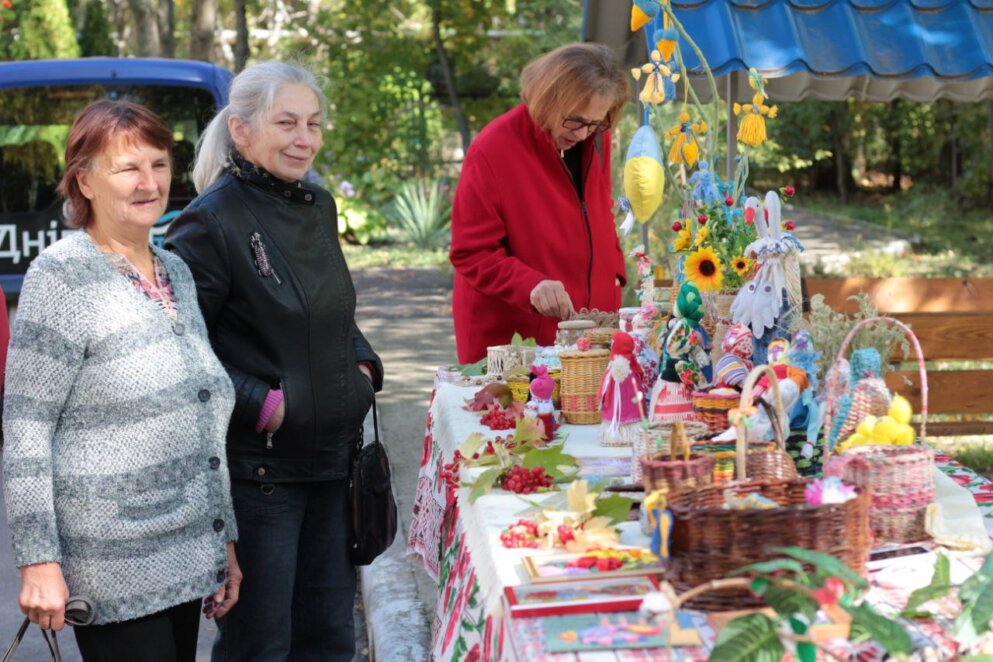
point(39, 100)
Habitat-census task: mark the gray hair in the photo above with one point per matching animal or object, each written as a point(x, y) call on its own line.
point(250, 99)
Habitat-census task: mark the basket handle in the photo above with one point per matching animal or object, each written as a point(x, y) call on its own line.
point(679, 438)
point(829, 404)
point(741, 446)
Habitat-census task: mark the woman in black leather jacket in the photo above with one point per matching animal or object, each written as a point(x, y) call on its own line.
point(280, 307)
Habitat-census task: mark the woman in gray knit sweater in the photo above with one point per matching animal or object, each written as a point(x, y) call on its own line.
point(116, 411)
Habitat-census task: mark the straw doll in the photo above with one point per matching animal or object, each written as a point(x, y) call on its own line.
point(620, 394)
point(541, 388)
point(685, 362)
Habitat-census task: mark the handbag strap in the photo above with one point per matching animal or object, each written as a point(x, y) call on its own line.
point(79, 611)
point(360, 442)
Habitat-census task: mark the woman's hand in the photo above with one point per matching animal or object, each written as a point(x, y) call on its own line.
point(276, 419)
point(226, 597)
point(550, 299)
point(43, 595)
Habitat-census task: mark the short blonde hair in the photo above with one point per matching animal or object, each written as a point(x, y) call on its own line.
point(556, 83)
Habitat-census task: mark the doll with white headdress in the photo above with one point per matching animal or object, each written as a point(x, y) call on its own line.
point(769, 304)
point(620, 395)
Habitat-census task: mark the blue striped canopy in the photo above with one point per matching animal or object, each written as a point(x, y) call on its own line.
point(829, 49)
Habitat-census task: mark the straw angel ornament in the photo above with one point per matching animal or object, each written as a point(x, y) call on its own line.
point(751, 130)
point(660, 84)
point(683, 136)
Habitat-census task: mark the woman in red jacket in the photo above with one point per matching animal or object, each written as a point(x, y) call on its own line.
point(533, 236)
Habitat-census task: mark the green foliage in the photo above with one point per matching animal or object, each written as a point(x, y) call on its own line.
point(866, 621)
point(560, 466)
point(826, 566)
point(35, 30)
point(614, 507)
point(976, 595)
point(423, 213)
point(751, 638)
point(95, 36)
point(828, 329)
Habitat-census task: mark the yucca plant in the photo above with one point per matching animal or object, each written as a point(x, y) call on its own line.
point(422, 213)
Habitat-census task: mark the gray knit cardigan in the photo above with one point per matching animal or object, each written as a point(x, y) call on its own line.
point(114, 424)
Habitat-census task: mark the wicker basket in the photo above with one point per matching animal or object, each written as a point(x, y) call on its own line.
point(556, 375)
point(503, 358)
point(599, 318)
point(520, 387)
point(657, 439)
point(709, 541)
point(901, 478)
point(713, 408)
point(600, 336)
point(582, 373)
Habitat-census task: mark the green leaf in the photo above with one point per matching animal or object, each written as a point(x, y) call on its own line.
point(974, 619)
point(942, 571)
point(483, 483)
point(768, 567)
point(523, 342)
point(557, 464)
point(922, 596)
point(751, 638)
point(790, 601)
point(972, 586)
point(472, 369)
point(886, 632)
point(759, 585)
point(615, 507)
point(826, 564)
point(977, 658)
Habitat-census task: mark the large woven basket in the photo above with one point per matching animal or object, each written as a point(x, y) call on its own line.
point(901, 478)
point(676, 472)
point(709, 541)
point(579, 385)
point(657, 439)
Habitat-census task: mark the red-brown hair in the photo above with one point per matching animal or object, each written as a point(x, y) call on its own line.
point(556, 83)
point(90, 135)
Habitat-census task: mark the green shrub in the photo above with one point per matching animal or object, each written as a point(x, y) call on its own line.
point(422, 212)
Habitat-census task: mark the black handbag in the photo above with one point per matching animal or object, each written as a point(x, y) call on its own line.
point(374, 510)
point(79, 611)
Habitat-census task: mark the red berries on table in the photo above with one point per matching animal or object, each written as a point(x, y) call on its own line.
point(523, 480)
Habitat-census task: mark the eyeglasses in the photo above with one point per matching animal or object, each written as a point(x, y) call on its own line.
point(576, 123)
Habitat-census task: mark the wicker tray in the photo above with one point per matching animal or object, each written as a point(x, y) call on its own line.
point(901, 478)
point(713, 408)
point(579, 384)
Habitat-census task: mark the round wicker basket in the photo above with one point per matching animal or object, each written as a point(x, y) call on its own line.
point(582, 373)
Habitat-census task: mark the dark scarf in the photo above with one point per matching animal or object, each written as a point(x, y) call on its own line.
point(258, 176)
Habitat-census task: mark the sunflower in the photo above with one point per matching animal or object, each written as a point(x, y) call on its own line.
point(742, 266)
point(701, 236)
point(683, 241)
point(703, 269)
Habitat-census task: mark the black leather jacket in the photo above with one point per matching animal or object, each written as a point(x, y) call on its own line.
point(288, 323)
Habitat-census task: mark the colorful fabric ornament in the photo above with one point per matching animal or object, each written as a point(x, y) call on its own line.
point(683, 135)
point(660, 84)
point(689, 303)
point(869, 395)
point(704, 187)
point(731, 371)
point(642, 13)
point(738, 341)
point(644, 177)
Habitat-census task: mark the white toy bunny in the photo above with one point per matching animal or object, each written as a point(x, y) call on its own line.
point(768, 301)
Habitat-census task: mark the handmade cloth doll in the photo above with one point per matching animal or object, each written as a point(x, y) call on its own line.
point(620, 395)
point(704, 187)
point(685, 362)
point(648, 358)
point(733, 367)
point(868, 395)
point(541, 388)
point(769, 304)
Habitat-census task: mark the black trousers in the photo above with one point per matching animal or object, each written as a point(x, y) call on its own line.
point(165, 636)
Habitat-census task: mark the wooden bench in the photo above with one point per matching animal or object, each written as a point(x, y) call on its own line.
point(953, 319)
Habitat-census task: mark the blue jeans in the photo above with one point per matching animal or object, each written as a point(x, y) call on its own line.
point(299, 586)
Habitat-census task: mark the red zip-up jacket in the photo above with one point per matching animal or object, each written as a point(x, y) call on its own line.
point(517, 220)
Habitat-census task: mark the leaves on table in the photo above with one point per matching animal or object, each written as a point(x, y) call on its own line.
point(941, 584)
point(615, 508)
point(886, 632)
point(750, 638)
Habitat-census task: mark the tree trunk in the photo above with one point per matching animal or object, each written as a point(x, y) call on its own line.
point(146, 29)
point(121, 25)
point(838, 146)
point(202, 30)
point(167, 27)
point(989, 131)
point(893, 139)
point(446, 68)
point(241, 51)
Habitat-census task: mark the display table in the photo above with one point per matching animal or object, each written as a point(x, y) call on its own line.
point(458, 544)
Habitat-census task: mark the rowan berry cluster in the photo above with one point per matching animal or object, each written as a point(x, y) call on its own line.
point(522, 534)
point(524, 480)
point(498, 418)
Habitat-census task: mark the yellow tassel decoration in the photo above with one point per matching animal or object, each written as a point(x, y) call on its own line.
point(684, 147)
point(751, 130)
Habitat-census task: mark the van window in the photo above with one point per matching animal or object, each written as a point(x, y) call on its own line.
point(34, 127)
